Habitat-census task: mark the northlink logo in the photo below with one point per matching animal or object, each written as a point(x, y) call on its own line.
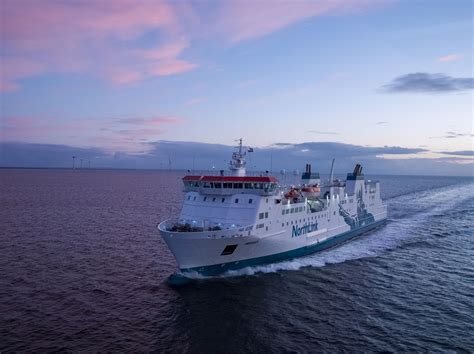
point(301, 230)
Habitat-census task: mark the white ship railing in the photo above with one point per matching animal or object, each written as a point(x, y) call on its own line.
point(175, 225)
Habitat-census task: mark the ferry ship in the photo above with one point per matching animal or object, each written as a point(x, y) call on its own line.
point(231, 221)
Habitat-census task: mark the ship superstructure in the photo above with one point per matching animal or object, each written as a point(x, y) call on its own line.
point(233, 221)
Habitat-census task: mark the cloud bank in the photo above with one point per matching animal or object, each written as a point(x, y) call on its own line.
point(203, 156)
point(459, 153)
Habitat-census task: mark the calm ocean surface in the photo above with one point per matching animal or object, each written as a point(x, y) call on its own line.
point(83, 268)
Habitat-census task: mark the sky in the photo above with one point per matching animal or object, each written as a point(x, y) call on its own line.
point(155, 84)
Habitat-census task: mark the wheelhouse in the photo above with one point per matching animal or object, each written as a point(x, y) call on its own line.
point(228, 185)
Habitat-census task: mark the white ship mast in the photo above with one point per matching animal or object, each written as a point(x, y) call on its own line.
point(237, 164)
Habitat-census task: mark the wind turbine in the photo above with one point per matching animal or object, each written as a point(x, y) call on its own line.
point(74, 162)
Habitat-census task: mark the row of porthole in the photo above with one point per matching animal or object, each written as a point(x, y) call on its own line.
point(304, 220)
point(224, 236)
point(322, 216)
point(236, 200)
point(293, 210)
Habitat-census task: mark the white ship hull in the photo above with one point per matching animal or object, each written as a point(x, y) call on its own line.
point(289, 236)
point(204, 255)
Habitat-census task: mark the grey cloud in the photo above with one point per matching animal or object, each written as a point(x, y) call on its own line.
point(428, 83)
point(341, 149)
point(282, 144)
point(458, 153)
point(452, 135)
point(203, 156)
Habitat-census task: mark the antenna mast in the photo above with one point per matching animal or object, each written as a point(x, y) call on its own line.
point(331, 175)
point(237, 164)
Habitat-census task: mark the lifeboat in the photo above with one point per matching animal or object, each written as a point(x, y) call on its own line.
point(292, 193)
point(311, 191)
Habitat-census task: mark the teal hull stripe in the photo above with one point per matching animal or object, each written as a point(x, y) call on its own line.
point(299, 252)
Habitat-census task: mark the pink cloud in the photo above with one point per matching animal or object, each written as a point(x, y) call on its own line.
point(161, 61)
point(168, 51)
point(244, 20)
point(100, 38)
point(13, 68)
point(171, 67)
point(119, 134)
point(151, 121)
point(37, 20)
point(449, 57)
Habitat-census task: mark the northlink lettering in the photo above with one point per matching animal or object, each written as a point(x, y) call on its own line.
point(301, 230)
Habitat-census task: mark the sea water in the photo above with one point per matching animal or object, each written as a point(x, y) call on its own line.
point(83, 268)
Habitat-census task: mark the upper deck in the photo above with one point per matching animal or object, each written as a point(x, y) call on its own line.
point(228, 185)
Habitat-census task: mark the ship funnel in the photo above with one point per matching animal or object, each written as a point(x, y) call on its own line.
point(357, 170)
